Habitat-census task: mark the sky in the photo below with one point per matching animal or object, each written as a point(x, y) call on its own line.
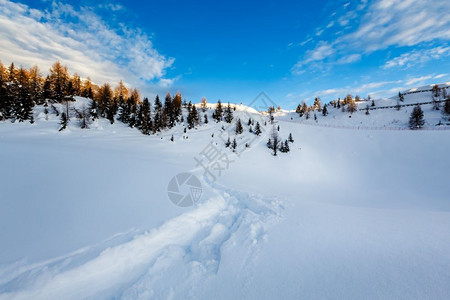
point(233, 50)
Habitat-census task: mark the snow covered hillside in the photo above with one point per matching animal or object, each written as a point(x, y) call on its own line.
point(385, 113)
point(345, 214)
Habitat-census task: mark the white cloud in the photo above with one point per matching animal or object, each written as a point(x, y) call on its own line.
point(415, 57)
point(416, 80)
point(82, 40)
point(349, 59)
point(322, 51)
point(387, 23)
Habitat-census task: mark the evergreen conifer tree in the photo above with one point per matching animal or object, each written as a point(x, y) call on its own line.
point(258, 129)
point(416, 120)
point(239, 129)
point(218, 112)
point(228, 114)
point(63, 122)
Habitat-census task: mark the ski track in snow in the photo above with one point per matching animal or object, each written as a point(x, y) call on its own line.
point(169, 262)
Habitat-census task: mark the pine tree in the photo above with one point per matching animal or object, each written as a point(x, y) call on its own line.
point(218, 112)
point(284, 147)
point(145, 122)
point(63, 122)
point(239, 129)
point(416, 120)
point(192, 118)
point(23, 106)
point(3, 93)
point(258, 129)
point(228, 142)
point(176, 106)
point(234, 145)
point(228, 114)
point(317, 104)
point(275, 141)
point(351, 105)
point(325, 111)
point(35, 85)
point(59, 78)
point(447, 106)
point(290, 139)
point(250, 129)
point(168, 109)
point(85, 116)
point(299, 110)
point(47, 92)
point(436, 91)
point(111, 111)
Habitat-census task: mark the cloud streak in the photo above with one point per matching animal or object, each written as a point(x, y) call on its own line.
point(84, 41)
point(380, 25)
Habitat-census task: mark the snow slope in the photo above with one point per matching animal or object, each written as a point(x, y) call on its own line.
point(346, 214)
point(384, 115)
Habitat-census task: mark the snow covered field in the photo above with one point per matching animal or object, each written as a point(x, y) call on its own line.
point(347, 214)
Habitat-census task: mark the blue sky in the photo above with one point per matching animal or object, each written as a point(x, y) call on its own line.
point(232, 50)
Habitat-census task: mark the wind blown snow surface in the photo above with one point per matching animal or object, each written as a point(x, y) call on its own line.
point(346, 214)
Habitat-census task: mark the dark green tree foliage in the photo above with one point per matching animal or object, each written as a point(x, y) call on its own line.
point(47, 92)
point(11, 93)
point(63, 122)
point(258, 129)
point(193, 117)
point(228, 142)
point(284, 148)
point(176, 108)
point(35, 86)
point(239, 129)
point(3, 93)
point(218, 113)
point(111, 111)
point(416, 120)
point(228, 114)
point(145, 123)
point(325, 110)
point(24, 104)
point(132, 112)
point(205, 119)
point(447, 106)
point(234, 145)
point(104, 97)
point(275, 141)
point(290, 138)
point(168, 110)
